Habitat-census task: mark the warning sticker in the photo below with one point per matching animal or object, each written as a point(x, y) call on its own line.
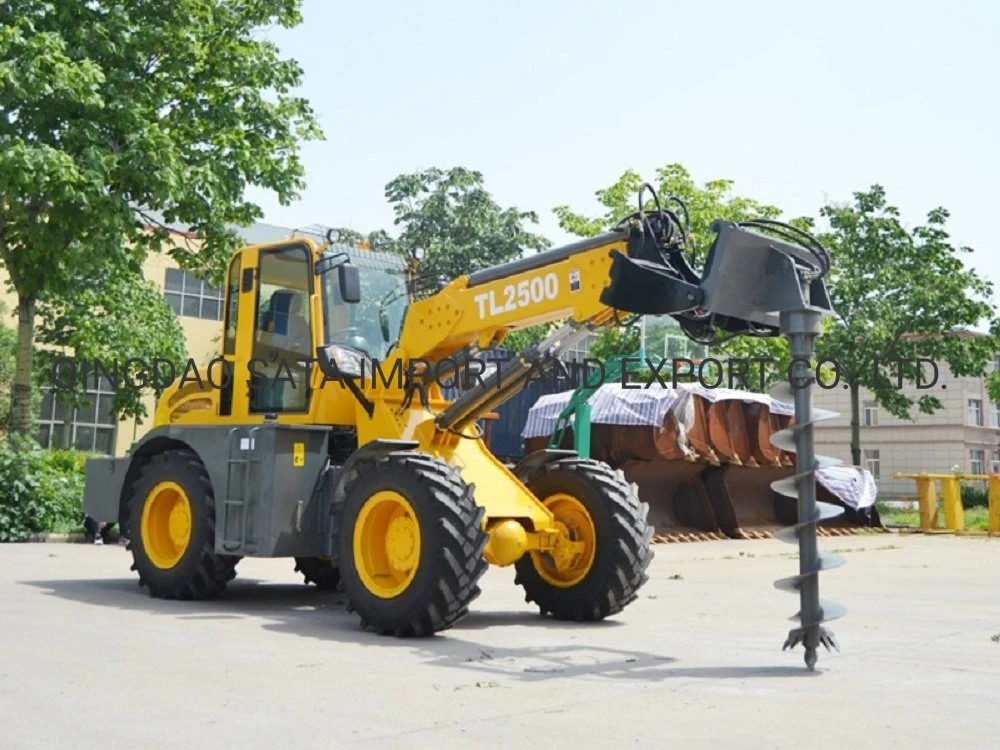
point(574, 280)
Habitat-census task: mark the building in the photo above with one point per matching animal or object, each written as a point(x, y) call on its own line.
point(965, 432)
point(199, 309)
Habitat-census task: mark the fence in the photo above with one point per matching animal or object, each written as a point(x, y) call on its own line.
point(951, 500)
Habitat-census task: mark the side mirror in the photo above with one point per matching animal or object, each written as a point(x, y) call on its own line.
point(350, 283)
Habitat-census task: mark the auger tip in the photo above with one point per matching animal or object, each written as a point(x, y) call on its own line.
point(811, 659)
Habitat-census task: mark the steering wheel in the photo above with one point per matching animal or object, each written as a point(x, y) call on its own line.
point(347, 333)
point(353, 337)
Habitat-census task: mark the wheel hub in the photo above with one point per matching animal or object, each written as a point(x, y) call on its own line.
point(166, 524)
point(386, 543)
point(180, 524)
point(572, 557)
point(401, 543)
point(568, 549)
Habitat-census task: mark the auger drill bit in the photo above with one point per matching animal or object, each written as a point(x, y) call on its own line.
point(801, 327)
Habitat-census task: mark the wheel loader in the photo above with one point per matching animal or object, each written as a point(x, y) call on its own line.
point(322, 434)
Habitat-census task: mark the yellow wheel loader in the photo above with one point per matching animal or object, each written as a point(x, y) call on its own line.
point(320, 433)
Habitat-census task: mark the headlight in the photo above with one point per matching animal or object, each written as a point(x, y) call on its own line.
point(347, 361)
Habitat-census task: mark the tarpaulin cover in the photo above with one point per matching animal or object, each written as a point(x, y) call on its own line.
point(613, 405)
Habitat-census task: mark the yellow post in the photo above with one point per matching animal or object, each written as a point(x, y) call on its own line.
point(927, 501)
point(994, 522)
point(951, 496)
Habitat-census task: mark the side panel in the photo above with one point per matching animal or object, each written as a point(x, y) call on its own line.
point(102, 491)
point(268, 481)
point(297, 523)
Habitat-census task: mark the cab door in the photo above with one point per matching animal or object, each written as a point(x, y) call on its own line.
point(283, 331)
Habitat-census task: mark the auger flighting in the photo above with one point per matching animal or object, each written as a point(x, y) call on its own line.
point(801, 327)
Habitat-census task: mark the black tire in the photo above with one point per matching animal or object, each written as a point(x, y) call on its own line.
point(319, 570)
point(200, 573)
point(451, 559)
point(623, 548)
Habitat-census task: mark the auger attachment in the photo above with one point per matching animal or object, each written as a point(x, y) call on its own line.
point(801, 327)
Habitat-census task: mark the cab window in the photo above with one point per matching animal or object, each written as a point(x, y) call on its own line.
point(283, 333)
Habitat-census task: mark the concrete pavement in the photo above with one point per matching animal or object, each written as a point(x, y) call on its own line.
point(88, 660)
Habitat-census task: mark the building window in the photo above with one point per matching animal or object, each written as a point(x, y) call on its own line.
point(89, 427)
point(976, 462)
point(192, 297)
point(975, 412)
point(872, 462)
point(579, 351)
point(871, 414)
point(994, 415)
point(995, 464)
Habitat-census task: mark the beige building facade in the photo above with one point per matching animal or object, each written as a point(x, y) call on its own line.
point(965, 433)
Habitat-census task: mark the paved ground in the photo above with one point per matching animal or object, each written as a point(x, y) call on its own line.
point(88, 660)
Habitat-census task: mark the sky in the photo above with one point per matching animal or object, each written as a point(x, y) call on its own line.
point(798, 103)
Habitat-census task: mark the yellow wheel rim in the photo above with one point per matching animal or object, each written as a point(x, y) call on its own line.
point(573, 556)
point(165, 527)
point(387, 544)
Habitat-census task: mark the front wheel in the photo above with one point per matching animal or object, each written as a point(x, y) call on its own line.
point(410, 544)
point(171, 514)
point(601, 561)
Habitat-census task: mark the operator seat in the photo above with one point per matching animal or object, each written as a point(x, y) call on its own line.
point(299, 346)
point(299, 340)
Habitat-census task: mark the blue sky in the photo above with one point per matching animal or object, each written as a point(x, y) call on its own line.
point(799, 103)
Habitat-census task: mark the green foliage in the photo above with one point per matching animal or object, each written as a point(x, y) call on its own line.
point(8, 340)
point(39, 490)
point(705, 203)
point(453, 219)
point(520, 340)
point(901, 294)
point(8, 343)
point(119, 119)
point(98, 321)
point(975, 495)
point(976, 517)
point(615, 342)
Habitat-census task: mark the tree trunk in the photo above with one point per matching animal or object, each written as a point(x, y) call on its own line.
point(22, 418)
point(855, 423)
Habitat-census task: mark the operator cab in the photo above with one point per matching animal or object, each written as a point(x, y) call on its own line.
point(343, 304)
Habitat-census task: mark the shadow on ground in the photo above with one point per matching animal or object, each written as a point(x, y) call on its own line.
point(307, 612)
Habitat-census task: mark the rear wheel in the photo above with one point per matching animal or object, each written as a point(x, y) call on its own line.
point(601, 563)
point(171, 516)
point(411, 545)
point(321, 571)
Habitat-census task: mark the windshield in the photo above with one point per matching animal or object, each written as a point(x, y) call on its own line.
point(383, 289)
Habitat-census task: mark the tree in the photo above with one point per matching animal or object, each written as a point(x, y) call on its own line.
point(8, 344)
point(705, 203)
point(520, 340)
point(615, 342)
point(120, 118)
point(98, 322)
point(456, 223)
point(714, 200)
point(900, 294)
